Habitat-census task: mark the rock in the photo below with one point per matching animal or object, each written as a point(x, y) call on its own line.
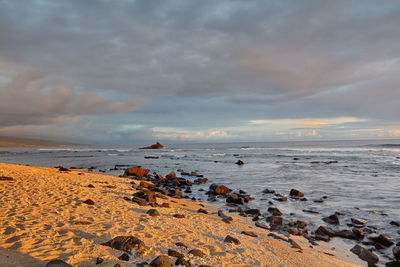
point(274, 220)
point(154, 146)
point(5, 178)
point(161, 261)
point(261, 225)
point(224, 217)
point(396, 252)
point(124, 257)
point(365, 254)
point(323, 230)
point(135, 171)
point(325, 238)
point(57, 263)
point(281, 199)
point(90, 186)
point(202, 211)
point(201, 181)
point(333, 219)
point(393, 264)
point(311, 211)
point(171, 176)
point(236, 199)
point(146, 184)
point(140, 201)
point(165, 205)
point(395, 223)
point(239, 162)
point(99, 260)
point(179, 216)
point(174, 253)
point(268, 191)
point(197, 253)
point(294, 231)
point(117, 265)
point(302, 224)
point(147, 195)
point(294, 244)
point(125, 243)
point(346, 234)
point(89, 202)
point(153, 212)
point(274, 211)
point(252, 211)
point(219, 189)
point(382, 240)
point(182, 262)
point(180, 244)
point(231, 239)
point(62, 169)
point(249, 233)
point(296, 193)
point(358, 221)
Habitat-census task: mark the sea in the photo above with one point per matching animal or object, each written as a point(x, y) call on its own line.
point(359, 179)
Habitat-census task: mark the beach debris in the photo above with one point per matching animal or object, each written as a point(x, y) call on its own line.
point(5, 178)
point(183, 262)
point(332, 219)
point(262, 225)
point(202, 211)
point(174, 253)
point(125, 243)
point(154, 146)
point(124, 257)
point(365, 254)
point(219, 189)
point(249, 233)
point(161, 261)
point(239, 162)
point(57, 263)
point(135, 171)
point(296, 193)
point(197, 253)
point(274, 211)
point(89, 201)
point(231, 239)
point(99, 260)
point(153, 212)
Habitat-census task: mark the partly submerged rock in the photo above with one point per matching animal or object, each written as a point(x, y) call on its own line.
point(154, 146)
point(365, 254)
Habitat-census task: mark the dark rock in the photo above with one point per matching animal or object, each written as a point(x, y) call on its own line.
point(117, 265)
point(197, 253)
point(333, 219)
point(231, 239)
point(382, 240)
point(302, 224)
point(57, 263)
point(325, 238)
point(124, 257)
point(62, 169)
point(180, 244)
point(89, 202)
point(311, 211)
point(346, 234)
point(165, 205)
point(323, 230)
point(274, 220)
point(179, 216)
point(183, 262)
point(395, 223)
point(294, 231)
point(147, 195)
point(161, 261)
point(140, 201)
point(268, 191)
point(219, 189)
point(393, 264)
point(396, 252)
point(252, 211)
point(154, 146)
point(201, 181)
point(171, 176)
point(99, 260)
point(125, 243)
point(5, 178)
point(174, 253)
point(135, 171)
point(239, 162)
point(274, 211)
point(281, 199)
point(90, 186)
point(202, 211)
point(249, 233)
point(224, 217)
point(153, 212)
point(296, 193)
point(365, 254)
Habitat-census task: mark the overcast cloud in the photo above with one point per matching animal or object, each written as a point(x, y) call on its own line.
point(129, 71)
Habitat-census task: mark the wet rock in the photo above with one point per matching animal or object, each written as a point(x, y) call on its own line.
point(89, 202)
point(310, 211)
point(183, 262)
point(117, 265)
point(239, 162)
point(249, 233)
point(274, 211)
point(296, 193)
point(252, 211)
point(274, 220)
point(346, 234)
point(99, 260)
point(395, 223)
point(57, 263)
point(365, 254)
point(393, 264)
point(180, 244)
point(174, 253)
point(202, 211)
point(236, 199)
point(124, 257)
point(135, 171)
point(197, 253)
point(171, 176)
point(179, 216)
point(176, 193)
point(318, 201)
point(325, 238)
point(219, 189)
point(323, 230)
point(125, 243)
point(62, 169)
point(153, 212)
point(333, 219)
point(294, 231)
point(302, 224)
point(268, 191)
point(231, 239)
point(201, 181)
point(382, 241)
point(153, 146)
point(281, 199)
point(358, 221)
point(161, 261)
point(396, 252)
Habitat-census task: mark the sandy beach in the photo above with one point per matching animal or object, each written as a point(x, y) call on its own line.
point(44, 217)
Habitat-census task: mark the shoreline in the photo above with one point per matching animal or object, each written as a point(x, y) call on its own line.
point(45, 218)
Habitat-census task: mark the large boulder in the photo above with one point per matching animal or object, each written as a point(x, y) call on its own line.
point(365, 254)
point(154, 146)
point(136, 171)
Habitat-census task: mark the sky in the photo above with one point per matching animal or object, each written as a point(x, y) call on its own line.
point(125, 71)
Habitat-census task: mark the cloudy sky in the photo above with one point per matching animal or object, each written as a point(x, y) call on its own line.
point(125, 71)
